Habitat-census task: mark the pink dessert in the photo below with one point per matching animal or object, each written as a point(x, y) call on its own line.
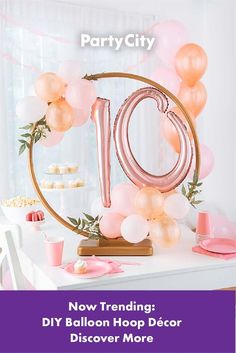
point(35, 216)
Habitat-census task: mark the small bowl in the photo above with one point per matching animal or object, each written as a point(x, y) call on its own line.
point(36, 225)
point(18, 214)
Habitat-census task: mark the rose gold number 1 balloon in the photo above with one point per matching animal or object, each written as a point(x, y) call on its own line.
point(131, 167)
point(101, 117)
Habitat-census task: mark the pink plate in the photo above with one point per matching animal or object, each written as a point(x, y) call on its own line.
point(95, 269)
point(219, 245)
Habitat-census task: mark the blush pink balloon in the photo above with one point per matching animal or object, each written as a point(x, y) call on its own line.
point(207, 162)
point(80, 117)
point(167, 78)
point(110, 225)
point(52, 139)
point(81, 94)
point(171, 36)
point(123, 198)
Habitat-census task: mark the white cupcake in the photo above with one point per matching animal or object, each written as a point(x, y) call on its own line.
point(80, 267)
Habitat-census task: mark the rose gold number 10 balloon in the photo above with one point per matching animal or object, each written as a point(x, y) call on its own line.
point(133, 170)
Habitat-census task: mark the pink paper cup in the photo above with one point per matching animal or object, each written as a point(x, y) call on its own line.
point(203, 224)
point(54, 249)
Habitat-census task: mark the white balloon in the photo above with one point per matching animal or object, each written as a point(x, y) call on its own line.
point(134, 228)
point(31, 109)
point(97, 208)
point(176, 206)
point(69, 71)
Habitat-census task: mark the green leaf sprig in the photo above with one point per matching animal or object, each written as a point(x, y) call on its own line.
point(33, 134)
point(192, 190)
point(89, 224)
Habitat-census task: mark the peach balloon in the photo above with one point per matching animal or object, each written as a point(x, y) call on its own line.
point(165, 232)
point(193, 98)
point(149, 203)
point(170, 131)
point(60, 116)
point(110, 225)
point(49, 87)
point(191, 63)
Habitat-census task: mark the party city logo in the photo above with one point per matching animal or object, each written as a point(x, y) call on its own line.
point(130, 40)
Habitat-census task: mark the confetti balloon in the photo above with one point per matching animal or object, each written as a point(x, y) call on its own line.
point(31, 109)
point(176, 206)
point(165, 232)
point(149, 203)
point(134, 228)
point(110, 225)
point(60, 116)
point(49, 87)
point(81, 94)
point(123, 198)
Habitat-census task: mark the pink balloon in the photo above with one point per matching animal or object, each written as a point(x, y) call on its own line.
point(110, 225)
point(131, 167)
point(222, 227)
point(101, 117)
point(80, 117)
point(123, 198)
point(167, 78)
point(207, 162)
point(52, 139)
point(69, 70)
point(81, 94)
point(134, 228)
point(171, 36)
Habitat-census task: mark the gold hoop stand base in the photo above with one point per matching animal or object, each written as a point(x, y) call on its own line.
point(114, 247)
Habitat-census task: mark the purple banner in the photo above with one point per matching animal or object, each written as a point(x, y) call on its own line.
point(117, 321)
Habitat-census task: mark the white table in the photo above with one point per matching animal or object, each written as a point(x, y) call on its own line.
point(170, 269)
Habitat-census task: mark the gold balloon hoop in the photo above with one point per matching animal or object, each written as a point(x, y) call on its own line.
point(113, 75)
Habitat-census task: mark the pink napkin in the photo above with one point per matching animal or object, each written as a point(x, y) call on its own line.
point(202, 251)
point(115, 265)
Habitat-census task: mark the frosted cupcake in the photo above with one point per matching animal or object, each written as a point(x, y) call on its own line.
point(80, 267)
